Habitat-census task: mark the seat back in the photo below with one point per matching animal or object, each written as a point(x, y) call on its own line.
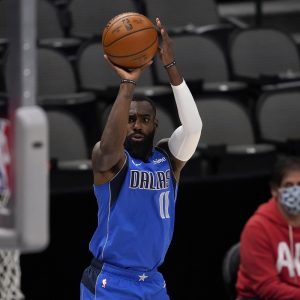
point(199, 58)
point(90, 17)
point(66, 137)
point(192, 12)
point(225, 122)
point(3, 19)
point(277, 115)
point(262, 51)
point(227, 147)
point(48, 21)
point(228, 142)
point(231, 262)
point(55, 73)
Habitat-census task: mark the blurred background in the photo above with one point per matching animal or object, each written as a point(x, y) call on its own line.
point(241, 61)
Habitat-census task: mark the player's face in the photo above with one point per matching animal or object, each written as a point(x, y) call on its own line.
point(140, 129)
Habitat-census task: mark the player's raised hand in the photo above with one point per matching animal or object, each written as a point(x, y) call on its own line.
point(165, 50)
point(132, 74)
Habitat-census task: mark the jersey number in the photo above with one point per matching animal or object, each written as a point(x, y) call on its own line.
point(164, 205)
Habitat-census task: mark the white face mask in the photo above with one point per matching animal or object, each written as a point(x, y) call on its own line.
point(289, 198)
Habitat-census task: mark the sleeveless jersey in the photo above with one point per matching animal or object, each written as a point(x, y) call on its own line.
point(136, 212)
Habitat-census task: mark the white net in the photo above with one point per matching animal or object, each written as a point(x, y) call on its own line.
point(10, 275)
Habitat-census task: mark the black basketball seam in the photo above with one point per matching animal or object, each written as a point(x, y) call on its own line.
point(124, 36)
point(117, 19)
point(134, 53)
point(109, 24)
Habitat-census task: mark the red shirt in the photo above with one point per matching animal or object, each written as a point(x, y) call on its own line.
point(270, 256)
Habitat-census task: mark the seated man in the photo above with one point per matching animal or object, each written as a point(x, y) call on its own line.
point(270, 241)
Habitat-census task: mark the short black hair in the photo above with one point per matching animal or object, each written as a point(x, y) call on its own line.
point(283, 165)
point(141, 97)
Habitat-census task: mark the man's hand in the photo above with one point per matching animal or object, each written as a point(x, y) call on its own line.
point(133, 74)
point(165, 51)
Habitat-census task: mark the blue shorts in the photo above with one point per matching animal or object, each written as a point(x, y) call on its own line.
point(106, 282)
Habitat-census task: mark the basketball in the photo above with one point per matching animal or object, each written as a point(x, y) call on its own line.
point(130, 40)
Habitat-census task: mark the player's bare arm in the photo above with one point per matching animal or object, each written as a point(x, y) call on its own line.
point(108, 154)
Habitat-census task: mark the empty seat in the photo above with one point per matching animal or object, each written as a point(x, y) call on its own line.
point(90, 17)
point(57, 85)
point(50, 26)
point(55, 73)
point(191, 16)
point(57, 82)
point(69, 153)
point(230, 267)
point(264, 56)
point(226, 122)
point(203, 64)
point(66, 137)
point(228, 142)
point(3, 26)
point(277, 116)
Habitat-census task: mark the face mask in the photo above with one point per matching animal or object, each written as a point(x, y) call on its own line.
point(290, 199)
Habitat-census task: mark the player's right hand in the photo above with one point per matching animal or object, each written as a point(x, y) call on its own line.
point(132, 74)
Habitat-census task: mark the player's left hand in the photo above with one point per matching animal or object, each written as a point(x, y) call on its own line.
point(165, 51)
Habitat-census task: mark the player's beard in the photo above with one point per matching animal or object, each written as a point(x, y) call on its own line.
point(140, 149)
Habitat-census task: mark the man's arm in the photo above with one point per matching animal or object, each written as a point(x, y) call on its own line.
point(109, 151)
point(184, 140)
point(108, 154)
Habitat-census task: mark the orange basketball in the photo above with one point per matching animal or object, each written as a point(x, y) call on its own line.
point(130, 40)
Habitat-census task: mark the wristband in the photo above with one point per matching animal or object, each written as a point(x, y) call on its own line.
point(173, 63)
point(128, 81)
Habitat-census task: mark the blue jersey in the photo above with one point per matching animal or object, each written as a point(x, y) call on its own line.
point(136, 214)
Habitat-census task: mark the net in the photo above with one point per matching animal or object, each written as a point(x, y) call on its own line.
point(10, 275)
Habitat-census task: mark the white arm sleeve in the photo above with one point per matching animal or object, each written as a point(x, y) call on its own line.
point(184, 140)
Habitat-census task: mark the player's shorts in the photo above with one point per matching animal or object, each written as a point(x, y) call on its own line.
point(101, 281)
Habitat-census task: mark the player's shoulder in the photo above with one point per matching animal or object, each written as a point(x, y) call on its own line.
point(96, 148)
point(176, 164)
point(163, 144)
point(97, 145)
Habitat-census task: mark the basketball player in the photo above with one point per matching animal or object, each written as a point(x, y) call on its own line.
point(136, 187)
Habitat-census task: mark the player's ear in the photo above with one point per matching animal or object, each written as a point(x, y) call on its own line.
point(155, 122)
